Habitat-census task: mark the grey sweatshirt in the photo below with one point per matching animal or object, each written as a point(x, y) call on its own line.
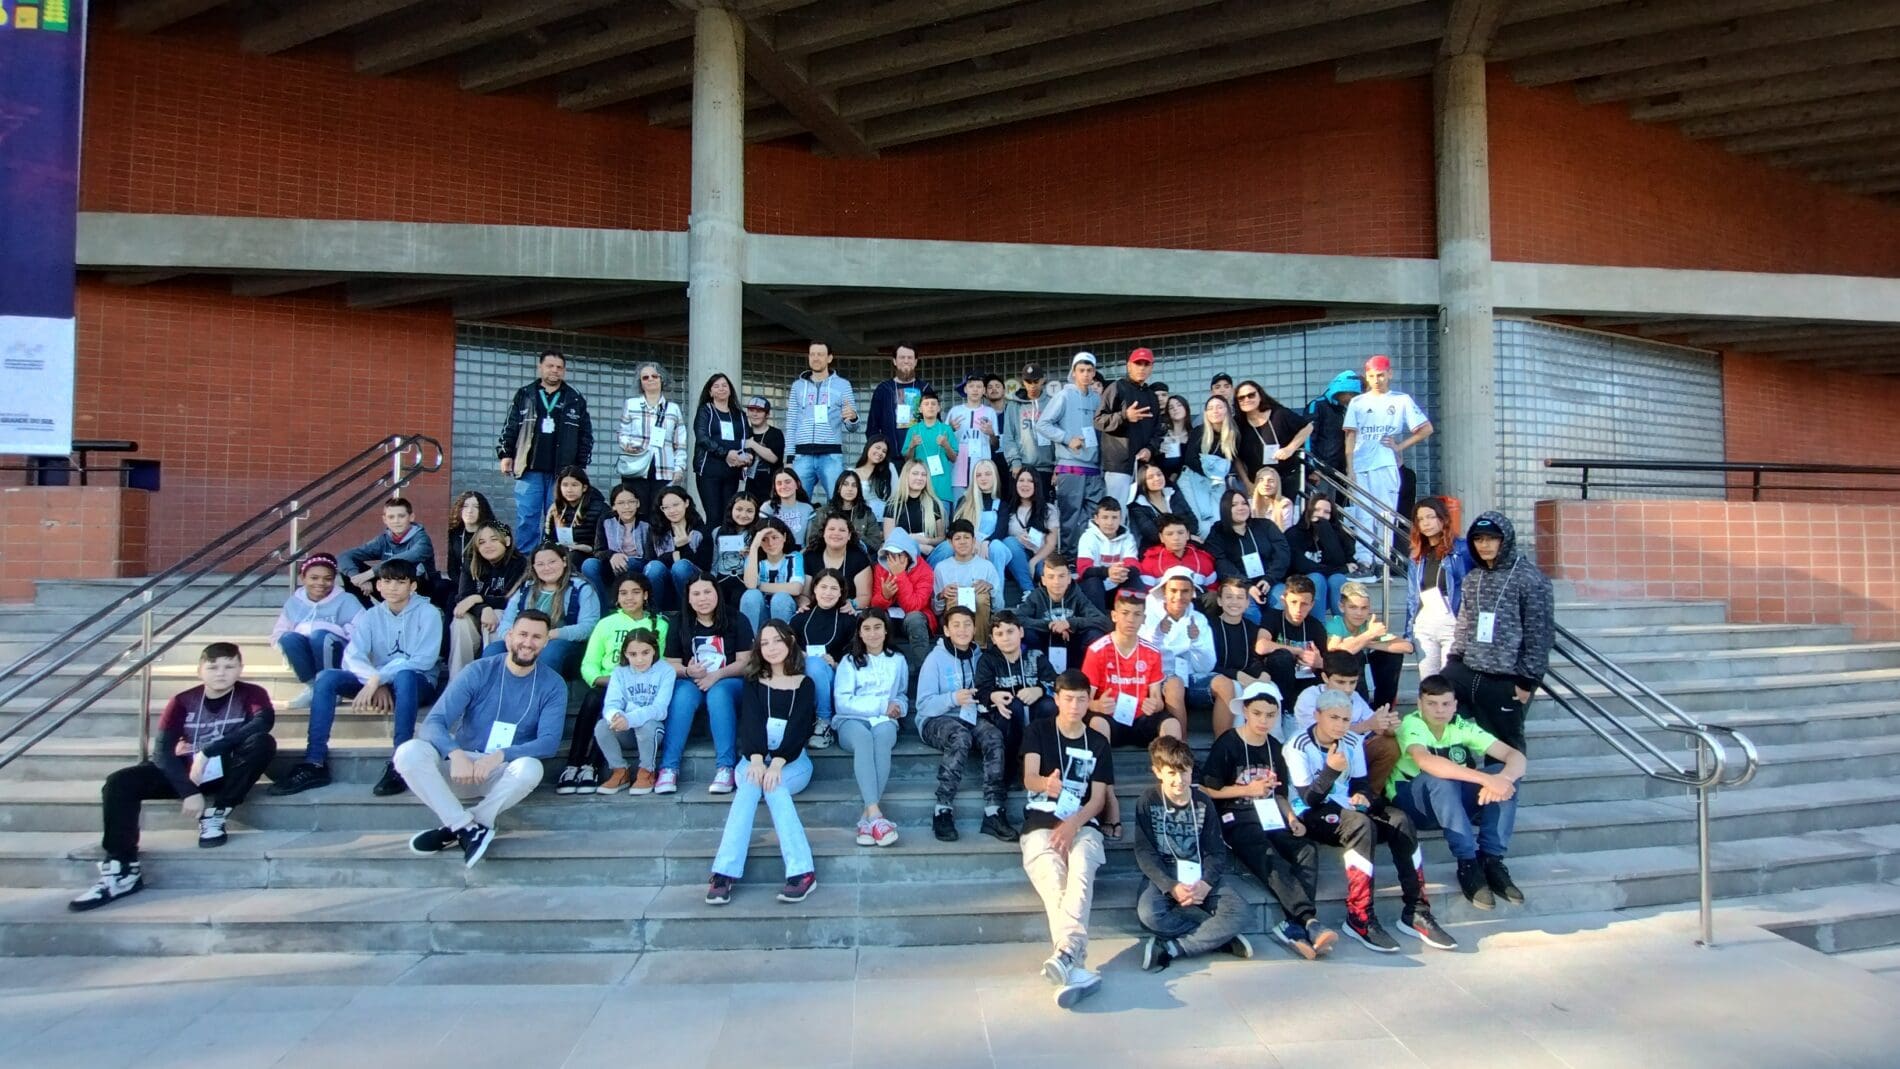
point(384, 643)
point(1068, 415)
point(1520, 595)
point(485, 691)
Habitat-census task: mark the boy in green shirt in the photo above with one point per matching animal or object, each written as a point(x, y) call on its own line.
point(931, 442)
point(582, 775)
point(1454, 775)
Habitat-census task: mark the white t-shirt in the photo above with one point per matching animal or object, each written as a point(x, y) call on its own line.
point(1377, 417)
point(1305, 757)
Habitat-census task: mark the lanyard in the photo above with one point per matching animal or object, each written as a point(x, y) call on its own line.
point(805, 632)
point(1509, 578)
point(534, 690)
point(549, 401)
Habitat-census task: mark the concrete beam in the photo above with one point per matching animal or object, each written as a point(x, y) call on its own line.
point(1670, 328)
point(279, 285)
point(1873, 186)
point(841, 25)
point(1009, 325)
point(392, 293)
point(541, 297)
point(1756, 63)
point(1831, 133)
point(619, 32)
point(141, 278)
point(971, 307)
point(1089, 271)
point(1238, 59)
point(1757, 120)
point(857, 302)
point(1844, 152)
point(1734, 336)
point(300, 24)
point(1822, 343)
point(786, 79)
point(1808, 23)
point(1854, 172)
point(1470, 26)
point(217, 244)
point(145, 16)
point(1771, 92)
point(803, 322)
point(671, 302)
point(1547, 289)
point(435, 33)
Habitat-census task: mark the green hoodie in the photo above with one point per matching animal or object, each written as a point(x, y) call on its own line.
point(603, 645)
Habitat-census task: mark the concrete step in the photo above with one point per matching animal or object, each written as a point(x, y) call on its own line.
point(1619, 640)
point(1881, 961)
point(1002, 908)
point(86, 595)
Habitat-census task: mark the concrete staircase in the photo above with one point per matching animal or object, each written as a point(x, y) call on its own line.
point(330, 871)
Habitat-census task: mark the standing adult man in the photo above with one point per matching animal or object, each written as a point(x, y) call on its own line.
point(821, 406)
point(894, 402)
point(548, 429)
point(1505, 624)
point(652, 440)
point(764, 448)
point(1381, 424)
point(1222, 387)
point(1067, 423)
point(1130, 422)
point(1023, 448)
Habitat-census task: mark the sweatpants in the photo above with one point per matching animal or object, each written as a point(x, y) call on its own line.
point(870, 749)
point(125, 789)
point(1289, 866)
point(1066, 885)
point(1198, 929)
point(645, 739)
point(1356, 834)
point(951, 735)
point(427, 774)
point(1491, 701)
point(1076, 494)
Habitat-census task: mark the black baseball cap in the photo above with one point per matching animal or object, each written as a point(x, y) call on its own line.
point(1031, 373)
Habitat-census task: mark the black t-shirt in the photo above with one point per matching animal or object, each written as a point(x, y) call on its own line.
point(1065, 755)
point(1231, 761)
point(1256, 445)
point(855, 561)
point(824, 627)
point(1233, 647)
point(690, 639)
point(1280, 630)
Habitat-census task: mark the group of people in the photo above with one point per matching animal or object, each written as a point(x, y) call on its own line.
point(1158, 566)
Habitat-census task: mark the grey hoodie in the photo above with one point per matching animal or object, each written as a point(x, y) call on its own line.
point(1023, 447)
point(384, 643)
point(1520, 595)
point(1068, 415)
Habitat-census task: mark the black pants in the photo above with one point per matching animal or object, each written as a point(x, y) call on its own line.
point(1014, 718)
point(716, 490)
point(1490, 700)
point(1283, 669)
point(583, 750)
point(1357, 833)
point(1385, 669)
point(127, 788)
point(1287, 864)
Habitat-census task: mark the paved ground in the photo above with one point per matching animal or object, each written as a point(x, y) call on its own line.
point(1604, 990)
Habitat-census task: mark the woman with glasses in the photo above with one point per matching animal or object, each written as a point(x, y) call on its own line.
point(652, 439)
point(1270, 433)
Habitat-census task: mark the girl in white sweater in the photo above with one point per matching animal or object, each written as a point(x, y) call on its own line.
point(868, 699)
point(638, 695)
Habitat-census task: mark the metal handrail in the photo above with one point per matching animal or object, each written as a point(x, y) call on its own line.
point(139, 604)
point(1755, 469)
point(1713, 743)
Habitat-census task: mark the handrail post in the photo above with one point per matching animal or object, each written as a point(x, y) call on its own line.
point(145, 681)
point(1757, 482)
point(1583, 484)
point(296, 540)
point(395, 460)
point(1704, 865)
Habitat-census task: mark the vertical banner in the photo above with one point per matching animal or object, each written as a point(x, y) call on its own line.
point(42, 60)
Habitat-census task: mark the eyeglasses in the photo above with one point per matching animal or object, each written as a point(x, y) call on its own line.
point(643, 378)
point(1248, 396)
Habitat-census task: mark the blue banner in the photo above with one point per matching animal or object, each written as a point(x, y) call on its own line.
point(42, 62)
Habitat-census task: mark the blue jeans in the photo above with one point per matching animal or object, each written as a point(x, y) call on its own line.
point(1200, 690)
point(562, 655)
point(818, 471)
point(310, 654)
point(407, 692)
point(534, 495)
point(1452, 806)
point(669, 583)
point(737, 838)
point(603, 579)
point(722, 712)
point(754, 603)
point(822, 674)
point(1326, 590)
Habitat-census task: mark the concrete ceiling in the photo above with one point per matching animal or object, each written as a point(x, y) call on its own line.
point(1863, 347)
point(1809, 84)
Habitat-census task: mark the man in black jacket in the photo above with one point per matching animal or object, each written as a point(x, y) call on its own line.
point(548, 429)
point(894, 402)
point(1129, 422)
point(1505, 628)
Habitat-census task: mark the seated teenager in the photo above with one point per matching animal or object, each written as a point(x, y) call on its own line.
point(679, 549)
point(869, 697)
point(710, 650)
point(489, 733)
point(213, 743)
point(1069, 776)
point(1032, 527)
point(1321, 550)
point(1173, 550)
point(639, 692)
point(950, 719)
point(1154, 498)
point(791, 506)
point(730, 542)
point(1269, 502)
point(982, 506)
point(1125, 673)
point(1458, 777)
point(1246, 775)
point(469, 513)
point(903, 588)
point(554, 588)
point(864, 516)
point(1057, 619)
point(824, 633)
point(776, 717)
point(774, 576)
point(1107, 559)
point(1015, 686)
point(620, 543)
point(878, 477)
point(603, 657)
point(388, 667)
point(1343, 673)
point(1251, 550)
point(834, 549)
point(314, 624)
point(1171, 624)
point(1326, 771)
point(402, 538)
point(917, 511)
point(1185, 902)
point(966, 579)
point(1296, 640)
point(495, 569)
point(1240, 649)
point(574, 518)
point(1357, 630)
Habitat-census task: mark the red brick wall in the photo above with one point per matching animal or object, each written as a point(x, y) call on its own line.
point(1783, 412)
point(69, 532)
point(1773, 562)
point(244, 400)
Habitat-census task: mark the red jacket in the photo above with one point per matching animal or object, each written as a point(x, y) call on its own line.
point(1158, 560)
point(914, 589)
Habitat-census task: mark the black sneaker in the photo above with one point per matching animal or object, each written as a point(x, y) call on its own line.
point(944, 824)
point(587, 781)
point(433, 841)
point(304, 777)
point(719, 891)
point(1155, 955)
point(474, 839)
point(1419, 922)
point(1499, 880)
point(1372, 935)
point(1240, 947)
point(569, 781)
point(116, 880)
point(798, 888)
point(211, 827)
point(997, 826)
point(390, 784)
point(1471, 881)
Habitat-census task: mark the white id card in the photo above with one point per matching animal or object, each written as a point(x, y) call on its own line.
point(774, 732)
point(1068, 803)
point(214, 770)
point(967, 713)
point(966, 597)
point(1058, 659)
point(1252, 565)
point(1170, 448)
point(500, 736)
point(816, 649)
point(1034, 536)
point(564, 535)
point(725, 430)
point(1125, 707)
point(903, 414)
point(1269, 813)
point(934, 462)
point(1088, 438)
point(1487, 626)
point(820, 414)
point(1187, 872)
point(547, 424)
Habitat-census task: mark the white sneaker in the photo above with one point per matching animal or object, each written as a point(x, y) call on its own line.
point(115, 882)
point(1082, 983)
point(722, 782)
point(211, 827)
point(1056, 969)
point(302, 700)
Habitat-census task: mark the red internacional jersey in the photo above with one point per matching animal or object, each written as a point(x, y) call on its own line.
point(1111, 673)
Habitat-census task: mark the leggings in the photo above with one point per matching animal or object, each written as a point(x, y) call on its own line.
point(870, 749)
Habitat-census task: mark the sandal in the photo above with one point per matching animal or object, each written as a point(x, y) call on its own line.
point(1112, 832)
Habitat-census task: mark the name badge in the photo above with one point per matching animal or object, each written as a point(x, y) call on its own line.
point(903, 414)
point(725, 429)
point(966, 597)
point(732, 544)
point(821, 413)
point(1269, 813)
point(1125, 707)
point(816, 649)
point(1170, 448)
point(1058, 659)
point(1487, 626)
point(547, 424)
point(1088, 438)
point(774, 732)
point(564, 535)
point(501, 735)
point(1187, 872)
point(214, 770)
point(934, 463)
point(877, 720)
point(1252, 565)
point(1034, 537)
point(1068, 804)
point(967, 713)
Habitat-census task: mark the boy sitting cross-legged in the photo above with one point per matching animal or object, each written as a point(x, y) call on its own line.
point(1179, 848)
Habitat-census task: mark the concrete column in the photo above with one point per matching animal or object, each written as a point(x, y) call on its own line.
point(1467, 428)
point(716, 228)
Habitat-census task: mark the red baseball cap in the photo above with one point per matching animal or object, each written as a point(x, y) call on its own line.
point(1141, 356)
point(1379, 362)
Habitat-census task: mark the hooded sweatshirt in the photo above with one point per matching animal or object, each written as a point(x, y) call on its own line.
point(944, 673)
point(384, 643)
point(804, 432)
point(641, 697)
point(1520, 596)
point(333, 615)
point(860, 693)
point(1182, 656)
point(415, 548)
point(1023, 447)
point(1036, 610)
point(1067, 414)
point(1328, 441)
point(914, 589)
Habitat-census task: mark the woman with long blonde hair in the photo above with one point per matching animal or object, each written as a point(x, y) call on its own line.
point(1205, 475)
point(1269, 501)
point(916, 509)
point(983, 504)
